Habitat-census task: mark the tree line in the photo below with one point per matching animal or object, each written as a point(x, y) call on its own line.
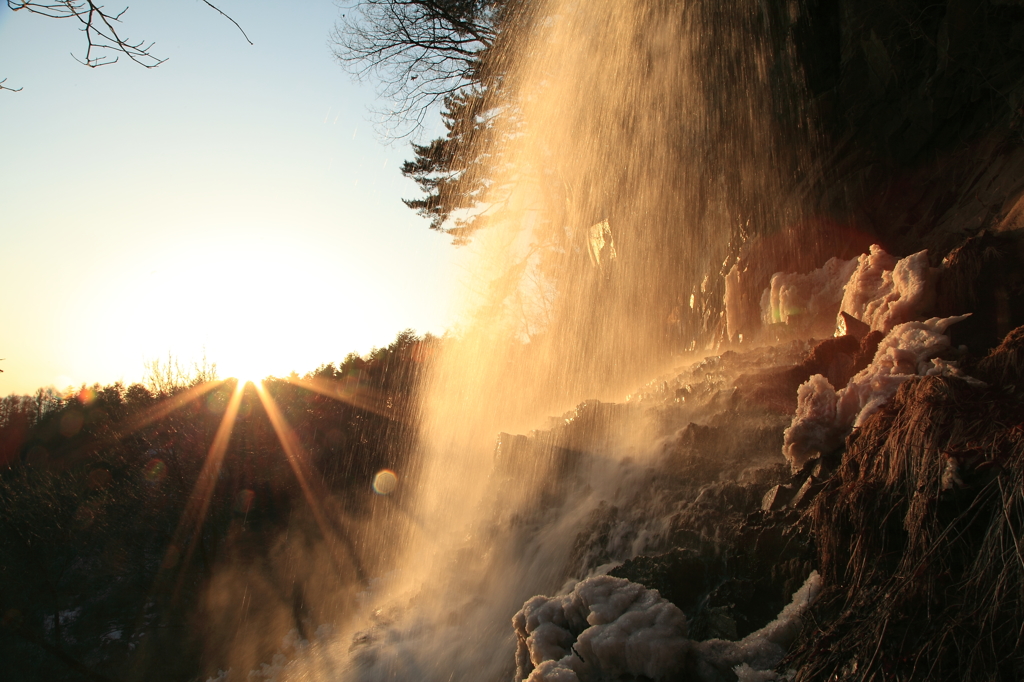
point(124, 556)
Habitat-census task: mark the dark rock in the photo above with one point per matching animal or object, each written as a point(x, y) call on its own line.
point(825, 465)
point(509, 451)
point(778, 497)
point(736, 608)
point(811, 487)
point(983, 277)
point(724, 497)
point(866, 352)
point(590, 547)
point(718, 623)
point(836, 359)
point(680, 576)
point(851, 326)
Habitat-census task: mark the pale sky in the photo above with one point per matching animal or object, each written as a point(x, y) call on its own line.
point(236, 198)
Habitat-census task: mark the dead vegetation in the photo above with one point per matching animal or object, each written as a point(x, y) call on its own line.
point(920, 535)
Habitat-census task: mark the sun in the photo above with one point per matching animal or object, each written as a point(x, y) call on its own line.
point(248, 366)
point(248, 375)
point(248, 358)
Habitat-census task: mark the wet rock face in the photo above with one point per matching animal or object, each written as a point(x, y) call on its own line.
point(737, 584)
point(920, 103)
point(681, 511)
point(910, 75)
point(837, 359)
point(738, 546)
point(682, 576)
point(983, 277)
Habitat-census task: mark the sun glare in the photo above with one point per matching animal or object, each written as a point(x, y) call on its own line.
point(226, 300)
point(246, 369)
point(248, 377)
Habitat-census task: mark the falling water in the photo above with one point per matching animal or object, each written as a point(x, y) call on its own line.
point(639, 149)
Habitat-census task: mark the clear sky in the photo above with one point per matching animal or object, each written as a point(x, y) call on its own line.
point(235, 199)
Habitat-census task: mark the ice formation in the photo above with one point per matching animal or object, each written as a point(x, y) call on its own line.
point(814, 428)
point(608, 628)
point(754, 658)
point(734, 303)
point(815, 293)
point(824, 416)
point(604, 628)
point(907, 351)
point(884, 292)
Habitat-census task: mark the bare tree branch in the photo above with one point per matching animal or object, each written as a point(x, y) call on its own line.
point(418, 51)
point(105, 43)
point(221, 12)
point(100, 26)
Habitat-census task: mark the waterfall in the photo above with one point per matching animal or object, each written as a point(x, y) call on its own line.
point(637, 151)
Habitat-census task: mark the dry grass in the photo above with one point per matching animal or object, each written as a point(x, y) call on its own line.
point(920, 533)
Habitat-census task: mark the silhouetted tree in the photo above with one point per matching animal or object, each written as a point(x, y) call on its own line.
point(419, 51)
point(453, 170)
point(104, 571)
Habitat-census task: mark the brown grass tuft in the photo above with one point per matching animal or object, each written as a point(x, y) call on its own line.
point(919, 536)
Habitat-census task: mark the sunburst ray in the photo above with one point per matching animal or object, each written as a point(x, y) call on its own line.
point(297, 459)
point(362, 397)
point(194, 514)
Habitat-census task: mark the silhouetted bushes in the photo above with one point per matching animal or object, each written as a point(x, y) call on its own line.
point(120, 553)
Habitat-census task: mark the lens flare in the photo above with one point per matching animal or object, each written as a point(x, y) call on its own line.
point(194, 515)
point(351, 391)
point(71, 423)
point(155, 471)
point(244, 501)
point(385, 482)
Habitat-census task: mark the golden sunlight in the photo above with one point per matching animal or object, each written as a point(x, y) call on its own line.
point(247, 373)
point(217, 301)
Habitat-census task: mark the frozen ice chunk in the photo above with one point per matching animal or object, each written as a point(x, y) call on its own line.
point(904, 353)
point(946, 368)
point(606, 627)
point(735, 307)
